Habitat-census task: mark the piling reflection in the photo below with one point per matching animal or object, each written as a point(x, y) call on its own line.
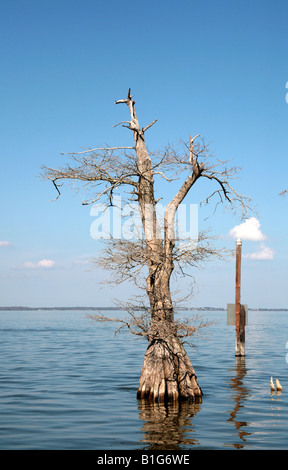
point(240, 394)
point(168, 426)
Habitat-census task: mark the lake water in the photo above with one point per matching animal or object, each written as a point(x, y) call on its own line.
point(69, 383)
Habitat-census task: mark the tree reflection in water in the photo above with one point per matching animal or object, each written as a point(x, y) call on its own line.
point(240, 394)
point(168, 426)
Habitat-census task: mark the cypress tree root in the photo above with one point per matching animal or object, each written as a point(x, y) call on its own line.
point(167, 373)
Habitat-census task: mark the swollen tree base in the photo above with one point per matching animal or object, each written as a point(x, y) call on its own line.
point(167, 373)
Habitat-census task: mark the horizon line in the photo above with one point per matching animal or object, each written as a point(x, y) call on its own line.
point(15, 307)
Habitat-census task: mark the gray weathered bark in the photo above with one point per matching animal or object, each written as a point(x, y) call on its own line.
point(167, 372)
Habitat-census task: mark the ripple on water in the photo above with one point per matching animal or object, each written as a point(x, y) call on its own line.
point(71, 384)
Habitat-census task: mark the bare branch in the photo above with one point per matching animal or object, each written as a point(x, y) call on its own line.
point(109, 168)
point(189, 327)
point(149, 125)
point(138, 323)
point(99, 148)
point(163, 176)
point(102, 318)
point(110, 188)
point(57, 189)
point(191, 156)
point(122, 122)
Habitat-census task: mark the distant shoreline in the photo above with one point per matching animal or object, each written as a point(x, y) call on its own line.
point(201, 309)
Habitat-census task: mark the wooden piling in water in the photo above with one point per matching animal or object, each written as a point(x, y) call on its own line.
point(239, 309)
point(242, 331)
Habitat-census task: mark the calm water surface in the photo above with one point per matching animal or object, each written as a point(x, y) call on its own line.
point(69, 383)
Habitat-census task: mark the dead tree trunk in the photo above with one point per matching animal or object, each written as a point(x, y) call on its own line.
point(167, 373)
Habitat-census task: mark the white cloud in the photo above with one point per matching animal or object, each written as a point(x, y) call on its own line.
point(249, 230)
point(44, 263)
point(5, 243)
point(265, 253)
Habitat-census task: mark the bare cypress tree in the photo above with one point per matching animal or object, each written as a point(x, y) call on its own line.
point(167, 372)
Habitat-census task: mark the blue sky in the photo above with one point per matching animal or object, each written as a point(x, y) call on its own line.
point(218, 68)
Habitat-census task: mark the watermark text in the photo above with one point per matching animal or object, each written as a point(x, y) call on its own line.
point(125, 222)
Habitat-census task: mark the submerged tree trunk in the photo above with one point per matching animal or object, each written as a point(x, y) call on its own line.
point(167, 373)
